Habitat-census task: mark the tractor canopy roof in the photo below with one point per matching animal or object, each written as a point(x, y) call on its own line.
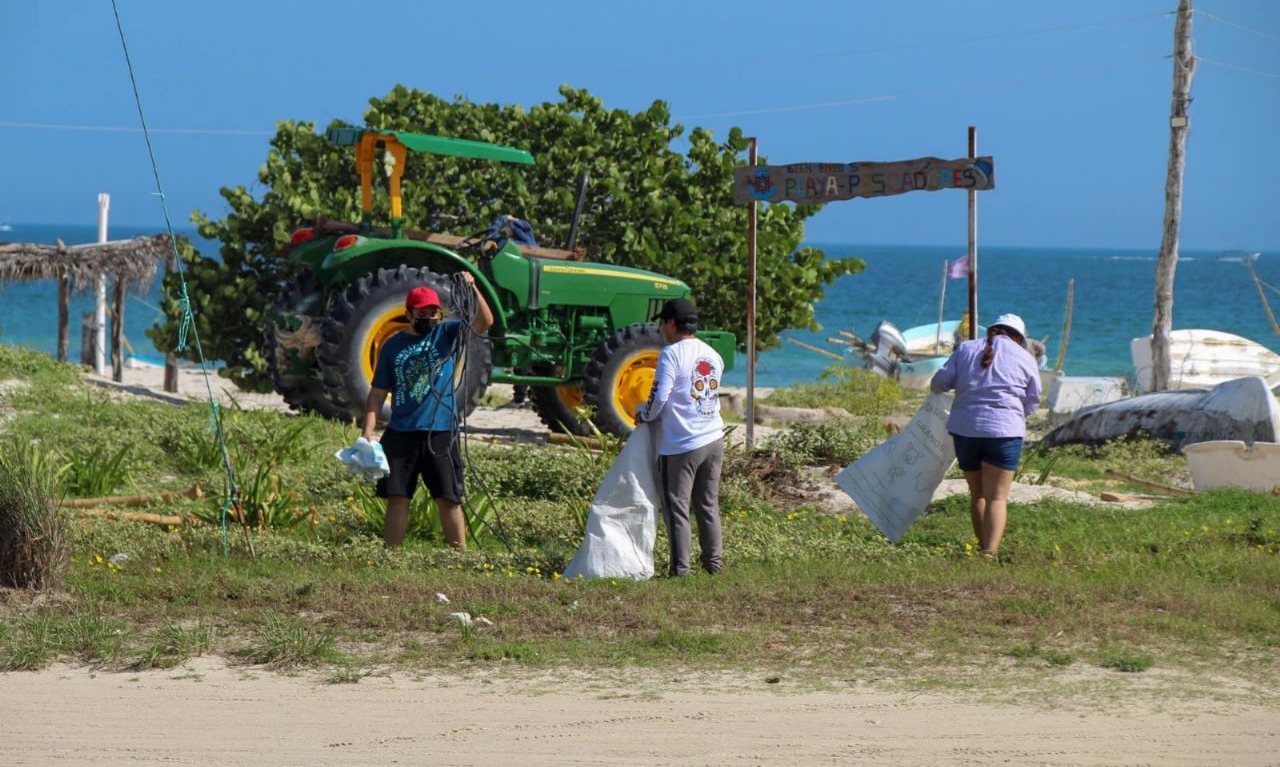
point(428, 144)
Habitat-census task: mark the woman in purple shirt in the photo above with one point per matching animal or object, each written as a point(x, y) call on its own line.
point(997, 385)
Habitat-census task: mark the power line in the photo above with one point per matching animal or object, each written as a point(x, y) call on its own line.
point(990, 85)
point(1238, 25)
point(1239, 68)
point(130, 129)
point(955, 41)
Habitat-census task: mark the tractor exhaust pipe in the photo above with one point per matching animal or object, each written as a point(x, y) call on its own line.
point(577, 212)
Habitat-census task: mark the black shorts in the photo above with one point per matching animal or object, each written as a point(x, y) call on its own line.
point(432, 456)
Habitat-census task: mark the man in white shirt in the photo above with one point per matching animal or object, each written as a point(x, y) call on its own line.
point(686, 397)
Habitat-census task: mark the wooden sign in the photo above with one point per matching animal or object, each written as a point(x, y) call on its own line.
point(818, 182)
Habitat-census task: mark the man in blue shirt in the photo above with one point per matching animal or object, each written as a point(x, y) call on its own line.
point(416, 366)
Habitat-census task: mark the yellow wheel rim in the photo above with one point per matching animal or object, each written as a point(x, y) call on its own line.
point(633, 384)
point(570, 396)
point(387, 324)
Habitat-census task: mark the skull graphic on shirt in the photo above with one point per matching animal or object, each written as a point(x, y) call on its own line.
point(704, 387)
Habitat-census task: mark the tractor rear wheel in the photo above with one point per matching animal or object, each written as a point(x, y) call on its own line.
point(290, 339)
point(620, 376)
point(557, 407)
point(365, 316)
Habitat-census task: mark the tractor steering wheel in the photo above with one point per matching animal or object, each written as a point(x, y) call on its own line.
point(474, 240)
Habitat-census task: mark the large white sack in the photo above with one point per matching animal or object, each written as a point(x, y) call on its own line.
point(622, 524)
point(894, 482)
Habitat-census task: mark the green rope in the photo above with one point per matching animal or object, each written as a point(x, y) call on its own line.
point(187, 323)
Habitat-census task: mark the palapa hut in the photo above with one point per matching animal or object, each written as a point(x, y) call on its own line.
point(129, 261)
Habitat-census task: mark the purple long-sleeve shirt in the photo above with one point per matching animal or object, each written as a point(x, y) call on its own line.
point(993, 401)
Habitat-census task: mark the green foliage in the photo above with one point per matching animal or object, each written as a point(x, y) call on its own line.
point(282, 642)
point(826, 443)
point(172, 643)
point(858, 391)
point(647, 205)
point(33, 527)
point(1127, 660)
point(97, 472)
point(368, 514)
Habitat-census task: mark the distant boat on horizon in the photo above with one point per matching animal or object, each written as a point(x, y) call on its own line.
point(1240, 256)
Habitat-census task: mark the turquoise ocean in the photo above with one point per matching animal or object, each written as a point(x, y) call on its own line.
point(1114, 293)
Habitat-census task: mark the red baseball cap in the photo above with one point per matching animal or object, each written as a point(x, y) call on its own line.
point(422, 297)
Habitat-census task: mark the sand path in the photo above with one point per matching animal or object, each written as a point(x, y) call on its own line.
point(211, 714)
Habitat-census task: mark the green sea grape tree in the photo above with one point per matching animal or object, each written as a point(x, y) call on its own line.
point(654, 200)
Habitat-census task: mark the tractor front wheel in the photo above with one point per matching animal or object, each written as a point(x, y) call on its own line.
point(363, 318)
point(557, 407)
point(620, 376)
point(291, 336)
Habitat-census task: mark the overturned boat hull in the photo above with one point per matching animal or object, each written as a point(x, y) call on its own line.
point(1201, 358)
point(1241, 409)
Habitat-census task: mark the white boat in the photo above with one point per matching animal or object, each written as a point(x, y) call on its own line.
point(1200, 359)
point(1232, 463)
point(911, 356)
point(1243, 409)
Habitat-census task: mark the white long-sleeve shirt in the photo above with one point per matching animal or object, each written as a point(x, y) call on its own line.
point(686, 396)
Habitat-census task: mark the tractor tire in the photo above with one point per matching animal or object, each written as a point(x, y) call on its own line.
point(291, 336)
point(368, 313)
point(557, 407)
point(620, 376)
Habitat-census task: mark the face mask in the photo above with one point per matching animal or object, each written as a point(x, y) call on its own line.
point(425, 325)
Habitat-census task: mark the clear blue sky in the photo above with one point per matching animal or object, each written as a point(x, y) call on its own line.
point(1070, 96)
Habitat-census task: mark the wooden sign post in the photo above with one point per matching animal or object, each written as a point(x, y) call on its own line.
point(819, 182)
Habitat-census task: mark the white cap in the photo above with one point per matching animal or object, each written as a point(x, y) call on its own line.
point(1014, 323)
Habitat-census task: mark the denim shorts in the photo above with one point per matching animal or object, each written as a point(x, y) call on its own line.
point(1000, 452)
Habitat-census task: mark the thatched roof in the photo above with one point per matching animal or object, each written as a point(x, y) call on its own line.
point(133, 260)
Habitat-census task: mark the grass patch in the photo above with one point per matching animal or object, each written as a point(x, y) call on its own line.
point(860, 392)
point(1127, 660)
point(33, 527)
point(283, 642)
point(1194, 583)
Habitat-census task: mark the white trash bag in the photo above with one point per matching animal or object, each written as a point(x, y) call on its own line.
point(365, 458)
point(622, 524)
point(894, 482)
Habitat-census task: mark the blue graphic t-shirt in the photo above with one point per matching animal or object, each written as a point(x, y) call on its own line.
point(418, 371)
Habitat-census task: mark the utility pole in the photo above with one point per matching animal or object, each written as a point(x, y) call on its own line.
point(1184, 67)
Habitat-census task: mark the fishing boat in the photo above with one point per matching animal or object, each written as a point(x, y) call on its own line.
point(913, 355)
point(1242, 409)
point(1200, 359)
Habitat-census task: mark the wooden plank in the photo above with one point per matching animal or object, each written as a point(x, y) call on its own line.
point(133, 500)
point(1166, 489)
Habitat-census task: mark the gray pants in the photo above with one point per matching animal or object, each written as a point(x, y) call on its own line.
point(693, 478)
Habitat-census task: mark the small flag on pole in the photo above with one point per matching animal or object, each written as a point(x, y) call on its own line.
point(959, 268)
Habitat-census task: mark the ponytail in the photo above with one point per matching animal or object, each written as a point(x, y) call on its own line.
point(989, 353)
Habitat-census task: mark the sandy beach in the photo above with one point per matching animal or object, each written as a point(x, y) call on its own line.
point(209, 713)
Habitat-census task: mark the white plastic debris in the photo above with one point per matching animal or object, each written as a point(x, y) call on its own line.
point(461, 618)
point(365, 458)
point(119, 558)
point(441, 598)
point(483, 621)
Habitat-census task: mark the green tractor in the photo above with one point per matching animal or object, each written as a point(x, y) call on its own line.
point(579, 334)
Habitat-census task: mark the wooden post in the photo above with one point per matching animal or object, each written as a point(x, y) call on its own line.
point(973, 243)
point(751, 305)
point(1184, 65)
point(117, 333)
point(1066, 325)
point(64, 315)
point(942, 302)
